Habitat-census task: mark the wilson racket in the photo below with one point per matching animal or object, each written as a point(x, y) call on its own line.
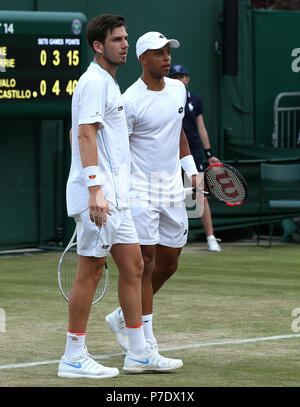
point(224, 183)
point(67, 270)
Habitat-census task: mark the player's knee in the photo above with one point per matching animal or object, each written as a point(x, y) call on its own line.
point(170, 269)
point(132, 271)
point(137, 270)
point(98, 272)
point(148, 260)
point(139, 266)
point(94, 274)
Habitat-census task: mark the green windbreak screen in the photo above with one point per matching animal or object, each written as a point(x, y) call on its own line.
point(276, 49)
point(237, 91)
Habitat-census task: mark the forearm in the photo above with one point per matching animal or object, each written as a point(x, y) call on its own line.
point(204, 139)
point(88, 146)
point(186, 158)
point(206, 146)
point(202, 132)
point(89, 156)
point(184, 148)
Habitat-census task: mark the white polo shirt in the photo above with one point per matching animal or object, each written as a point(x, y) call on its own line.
point(97, 99)
point(154, 120)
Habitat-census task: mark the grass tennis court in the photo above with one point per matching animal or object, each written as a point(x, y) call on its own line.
point(213, 300)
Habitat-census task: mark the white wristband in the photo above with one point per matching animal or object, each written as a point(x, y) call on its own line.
point(91, 176)
point(188, 165)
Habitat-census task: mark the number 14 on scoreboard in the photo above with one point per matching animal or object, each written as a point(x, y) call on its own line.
point(8, 28)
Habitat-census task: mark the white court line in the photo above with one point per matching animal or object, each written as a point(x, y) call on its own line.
point(192, 346)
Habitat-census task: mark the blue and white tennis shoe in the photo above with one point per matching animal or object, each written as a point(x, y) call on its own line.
point(149, 361)
point(116, 324)
point(85, 367)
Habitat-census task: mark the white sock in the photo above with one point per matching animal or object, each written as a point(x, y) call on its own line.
point(75, 345)
point(148, 330)
point(136, 339)
point(210, 237)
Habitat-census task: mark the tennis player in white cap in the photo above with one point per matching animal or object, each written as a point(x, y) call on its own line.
point(154, 107)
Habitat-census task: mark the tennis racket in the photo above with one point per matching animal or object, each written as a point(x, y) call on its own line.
point(67, 270)
point(224, 183)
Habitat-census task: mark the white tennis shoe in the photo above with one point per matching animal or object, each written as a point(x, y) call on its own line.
point(85, 367)
point(212, 244)
point(149, 361)
point(116, 324)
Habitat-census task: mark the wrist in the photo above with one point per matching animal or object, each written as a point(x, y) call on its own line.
point(95, 188)
point(208, 153)
point(91, 176)
point(189, 166)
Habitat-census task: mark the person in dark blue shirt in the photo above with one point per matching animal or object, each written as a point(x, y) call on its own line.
point(197, 136)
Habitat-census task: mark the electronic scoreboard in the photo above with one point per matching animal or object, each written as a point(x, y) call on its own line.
point(42, 55)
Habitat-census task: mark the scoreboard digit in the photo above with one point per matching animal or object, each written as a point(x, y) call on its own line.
point(42, 56)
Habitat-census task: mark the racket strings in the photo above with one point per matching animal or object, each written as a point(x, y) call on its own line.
point(225, 185)
point(68, 271)
point(68, 274)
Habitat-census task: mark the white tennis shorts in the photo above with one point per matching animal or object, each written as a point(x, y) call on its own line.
point(97, 242)
point(167, 226)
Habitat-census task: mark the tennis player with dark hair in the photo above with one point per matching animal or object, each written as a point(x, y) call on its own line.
point(154, 107)
point(98, 199)
point(197, 136)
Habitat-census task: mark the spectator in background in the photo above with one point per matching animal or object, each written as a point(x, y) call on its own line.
point(263, 4)
point(286, 5)
point(276, 4)
point(196, 133)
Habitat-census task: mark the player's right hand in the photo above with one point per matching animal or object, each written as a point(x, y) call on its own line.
point(98, 206)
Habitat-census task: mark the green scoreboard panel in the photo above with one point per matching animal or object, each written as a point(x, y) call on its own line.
point(42, 55)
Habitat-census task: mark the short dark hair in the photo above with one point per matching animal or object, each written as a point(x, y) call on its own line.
point(97, 28)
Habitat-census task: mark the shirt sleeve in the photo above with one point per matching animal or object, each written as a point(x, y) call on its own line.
point(184, 92)
point(198, 105)
point(130, 114)
point(92, 103)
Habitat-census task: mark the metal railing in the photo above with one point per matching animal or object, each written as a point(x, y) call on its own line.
point(286, 133)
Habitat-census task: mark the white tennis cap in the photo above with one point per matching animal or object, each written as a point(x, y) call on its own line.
point(153, 40)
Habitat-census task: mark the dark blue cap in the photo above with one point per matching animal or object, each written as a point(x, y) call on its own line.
point(175, 69)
